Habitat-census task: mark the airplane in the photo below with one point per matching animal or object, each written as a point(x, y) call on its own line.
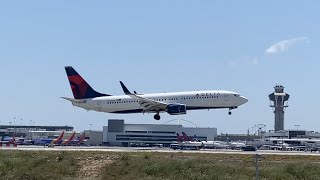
point(280, 146)
point(49, 142)
point(8, 140)
point(215, 145)
point(67, 141)
point(185, 137)
point(175, 103)
point(206, 144)
point(57, 141)
point(184, 142)
point(79, 141)
point(236, 145)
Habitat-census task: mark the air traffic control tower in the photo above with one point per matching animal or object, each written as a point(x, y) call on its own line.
point(279, 101)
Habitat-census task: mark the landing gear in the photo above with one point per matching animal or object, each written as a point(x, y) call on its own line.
point(157, 117)
point(231, 109)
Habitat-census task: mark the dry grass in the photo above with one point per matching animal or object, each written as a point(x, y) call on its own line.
point(145, 166)
point(210, 166)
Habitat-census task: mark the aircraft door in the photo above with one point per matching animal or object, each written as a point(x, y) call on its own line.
point(99, 105)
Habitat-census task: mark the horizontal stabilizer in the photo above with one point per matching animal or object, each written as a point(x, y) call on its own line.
point(74, 100)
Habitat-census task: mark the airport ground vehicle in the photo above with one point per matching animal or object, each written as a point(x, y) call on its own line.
point(248, 148)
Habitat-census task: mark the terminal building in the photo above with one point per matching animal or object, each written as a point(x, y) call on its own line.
point(117, 133)
point(290, 134)
point(22, 131)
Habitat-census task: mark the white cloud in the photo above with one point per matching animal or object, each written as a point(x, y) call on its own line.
point(284, 45)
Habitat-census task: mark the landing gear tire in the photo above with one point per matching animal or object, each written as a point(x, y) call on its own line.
point(231, 109)
point(157, 117)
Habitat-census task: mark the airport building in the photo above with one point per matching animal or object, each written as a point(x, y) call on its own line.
point(292, 134)
point(48, 134)
point(22, 131)
point(117, 133)
point(236, 137)
point(93, 138)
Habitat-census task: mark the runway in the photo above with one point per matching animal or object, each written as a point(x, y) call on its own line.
point(158, 150)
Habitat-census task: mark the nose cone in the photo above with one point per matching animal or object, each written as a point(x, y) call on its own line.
point(243, 100)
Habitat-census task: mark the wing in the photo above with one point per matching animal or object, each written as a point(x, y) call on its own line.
point(149, 105)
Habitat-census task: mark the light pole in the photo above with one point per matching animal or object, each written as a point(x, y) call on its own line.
point(90, 126)
point(260, 127)
point(297, 125)
point(257, 158)
point(14, 124)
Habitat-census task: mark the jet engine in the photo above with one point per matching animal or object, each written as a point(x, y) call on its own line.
point(176, 109)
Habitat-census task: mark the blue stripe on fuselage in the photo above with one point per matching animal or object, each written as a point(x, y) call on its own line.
point(188, 108)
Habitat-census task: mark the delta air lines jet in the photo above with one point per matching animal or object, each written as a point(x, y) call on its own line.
point(175, 103)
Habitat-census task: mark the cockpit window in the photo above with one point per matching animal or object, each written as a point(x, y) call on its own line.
point(236, 95)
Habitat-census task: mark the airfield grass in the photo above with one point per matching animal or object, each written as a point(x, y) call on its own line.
point(147, 166)
point(37, 165)
point(210, 166)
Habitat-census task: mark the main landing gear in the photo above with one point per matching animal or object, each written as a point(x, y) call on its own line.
point(230, 113)
point(157, 116)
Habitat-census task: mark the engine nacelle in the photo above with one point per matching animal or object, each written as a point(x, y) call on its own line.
point(176, 109)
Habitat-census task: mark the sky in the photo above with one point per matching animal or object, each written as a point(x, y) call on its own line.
point(160, 46)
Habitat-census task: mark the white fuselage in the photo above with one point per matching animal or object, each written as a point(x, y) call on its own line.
point(193, 100)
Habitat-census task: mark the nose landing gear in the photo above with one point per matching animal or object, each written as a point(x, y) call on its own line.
point(157, 116)
point(230, 113)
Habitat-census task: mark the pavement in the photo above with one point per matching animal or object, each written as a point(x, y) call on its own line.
point(159, 150)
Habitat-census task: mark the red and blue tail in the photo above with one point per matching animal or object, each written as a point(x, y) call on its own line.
point(185, 137)
point(179, 138)
point(80, 88)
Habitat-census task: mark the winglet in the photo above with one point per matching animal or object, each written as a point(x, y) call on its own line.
point(125, 89)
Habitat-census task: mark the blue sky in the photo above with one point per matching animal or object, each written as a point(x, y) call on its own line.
point(160, 46)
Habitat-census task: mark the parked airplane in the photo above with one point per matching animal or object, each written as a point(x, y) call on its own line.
point(57, 141)
point(184, 142)
point(236, 145)
point(173, 103)
point(185, 138)
point(79, 141)
point(49, 141)
point(67, 141)
point(215, 145)
point(206, 144)
point(8, 140)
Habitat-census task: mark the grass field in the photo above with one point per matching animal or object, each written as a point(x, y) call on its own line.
point(106, 165)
